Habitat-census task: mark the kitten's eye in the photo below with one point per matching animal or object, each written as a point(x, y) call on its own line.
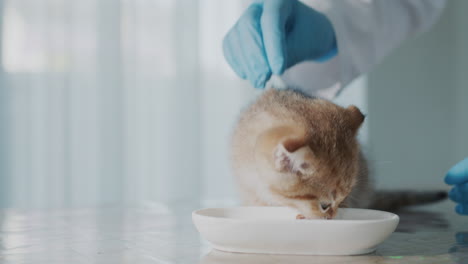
point(324, 206)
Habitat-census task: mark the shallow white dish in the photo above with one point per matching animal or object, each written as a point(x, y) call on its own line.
point(275, 230)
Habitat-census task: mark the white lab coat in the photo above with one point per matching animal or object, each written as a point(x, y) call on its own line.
point(366, 31)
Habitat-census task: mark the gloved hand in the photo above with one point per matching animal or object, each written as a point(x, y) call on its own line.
point(458, 175)
point(273, 35)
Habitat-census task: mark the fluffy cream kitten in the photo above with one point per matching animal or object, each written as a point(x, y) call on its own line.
point(292, 150)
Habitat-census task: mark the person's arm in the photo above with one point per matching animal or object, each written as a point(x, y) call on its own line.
point(319, 46)
point(367, 30)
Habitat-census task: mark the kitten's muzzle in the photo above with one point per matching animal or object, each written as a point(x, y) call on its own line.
point(324, 206)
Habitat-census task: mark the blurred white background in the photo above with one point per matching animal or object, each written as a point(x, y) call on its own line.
point(115, 101)
point(131, 101)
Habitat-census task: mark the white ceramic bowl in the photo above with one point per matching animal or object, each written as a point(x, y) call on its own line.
point(275, 230)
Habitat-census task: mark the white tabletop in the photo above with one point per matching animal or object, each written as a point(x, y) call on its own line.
point(431, 234)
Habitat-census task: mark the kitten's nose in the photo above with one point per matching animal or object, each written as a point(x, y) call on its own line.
point(325, 206)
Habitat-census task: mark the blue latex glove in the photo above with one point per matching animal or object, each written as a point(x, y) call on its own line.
point(273, 35)
point(458, 176)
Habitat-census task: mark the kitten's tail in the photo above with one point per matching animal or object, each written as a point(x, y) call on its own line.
point(394, 200)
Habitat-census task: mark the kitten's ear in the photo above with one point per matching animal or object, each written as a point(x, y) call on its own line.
point(293, 155)
point(356, 118)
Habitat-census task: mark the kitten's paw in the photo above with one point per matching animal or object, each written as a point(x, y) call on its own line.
point(299, 216)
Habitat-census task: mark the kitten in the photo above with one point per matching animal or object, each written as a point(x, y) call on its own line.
point(292, 150)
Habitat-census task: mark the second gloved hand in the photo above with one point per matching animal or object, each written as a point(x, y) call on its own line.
point(273, 35)
point(458, 176)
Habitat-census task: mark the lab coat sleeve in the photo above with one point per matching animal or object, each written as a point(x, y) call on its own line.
point(366, 31)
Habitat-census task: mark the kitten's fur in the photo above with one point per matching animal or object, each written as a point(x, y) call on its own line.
point(289, 149)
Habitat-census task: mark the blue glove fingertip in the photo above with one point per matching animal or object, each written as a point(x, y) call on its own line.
point(458, 173)
point(261, 80)
point(451, 178)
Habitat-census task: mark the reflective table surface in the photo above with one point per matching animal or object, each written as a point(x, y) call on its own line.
point(429, 234)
